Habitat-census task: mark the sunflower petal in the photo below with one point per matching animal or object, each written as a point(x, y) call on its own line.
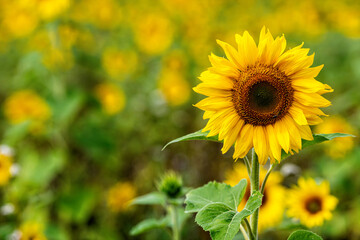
point(261, 144)
point(244, 142)
point(273, 142)
point(282, 135)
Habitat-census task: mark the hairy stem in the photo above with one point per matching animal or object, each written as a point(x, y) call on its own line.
point(265, 178)
point(255, 185)
point(174, 222)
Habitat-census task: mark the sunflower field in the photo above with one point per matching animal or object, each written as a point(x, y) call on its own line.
point(164, 119)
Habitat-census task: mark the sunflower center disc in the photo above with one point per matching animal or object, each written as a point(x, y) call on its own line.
point(262, 95)
point(313, 205)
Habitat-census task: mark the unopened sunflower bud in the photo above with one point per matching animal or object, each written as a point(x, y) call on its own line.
point(171, 184)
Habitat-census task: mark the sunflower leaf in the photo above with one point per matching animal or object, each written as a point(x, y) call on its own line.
point(154, 198)
point(216, 206)
point(199, 135)
point(215, 192)
point(318, 138)
point(149, 224)
point(304, 234)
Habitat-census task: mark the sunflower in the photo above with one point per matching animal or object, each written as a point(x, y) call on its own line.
point(262, 96)
point(311, 203)
point(271, 212)
point(120, 196)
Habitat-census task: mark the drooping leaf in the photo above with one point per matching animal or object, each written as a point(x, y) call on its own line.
point(215, 192)
point(216, 206)
point(304, 235)
point(154, 198)
point(199, 135)
point(149, 224)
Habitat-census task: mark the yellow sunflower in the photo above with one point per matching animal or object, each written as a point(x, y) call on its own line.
point(262, 96)
point(310, 202)
point(120, 196)
point(271, 210)
point(32, 231)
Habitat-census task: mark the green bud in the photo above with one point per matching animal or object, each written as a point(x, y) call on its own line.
point(170, 184)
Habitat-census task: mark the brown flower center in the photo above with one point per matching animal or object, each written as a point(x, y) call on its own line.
point(313, 205)
point(262, 95)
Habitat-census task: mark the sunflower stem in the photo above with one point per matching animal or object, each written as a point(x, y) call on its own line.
point(247, 164)
point(244, 233)
point(247, 224)
point(265, 178)
point(255, 185)
point(174, 222)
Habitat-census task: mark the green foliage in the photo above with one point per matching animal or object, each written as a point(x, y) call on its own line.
point(149, 224)
point(304, 235)
point(154, 198)
point(172, 202)
point(216, 206)
point(198, 135)
point(318, 138)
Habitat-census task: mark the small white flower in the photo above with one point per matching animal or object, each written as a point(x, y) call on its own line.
point(6, 150)
point(290, 169)
point(15, 169)
point(7, 209)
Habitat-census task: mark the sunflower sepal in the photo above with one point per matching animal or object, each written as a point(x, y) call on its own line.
point(215, 205)
point(304, 234)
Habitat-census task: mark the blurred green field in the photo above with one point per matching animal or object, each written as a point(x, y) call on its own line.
point(90, 92)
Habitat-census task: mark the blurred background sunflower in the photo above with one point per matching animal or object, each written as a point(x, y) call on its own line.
point(92, 90)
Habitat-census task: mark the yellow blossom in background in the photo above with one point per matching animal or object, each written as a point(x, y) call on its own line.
point(39, 41)
point(262, 96)
point(68, 35)
point(49, 9)
point(32, 231)
point(154, 33)
point(310, 202)
point(272, 208)
point(117, 62)
point(111, 97)
point(5, 165)
point(174, 87)
point(26, 105)
point(338, 147)
point(120, 196)
point(18, 19)
point(103, 14)
point(58, 59)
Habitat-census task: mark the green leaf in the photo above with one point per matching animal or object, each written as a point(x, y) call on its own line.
point(304, 235)
point(215, 192)
point(199, 135)
point(224, 222)
point(154, 198)
point(318, 138)
point(149, 224)
point(216, 204)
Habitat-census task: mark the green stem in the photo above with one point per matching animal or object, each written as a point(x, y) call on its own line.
point(244, 233)
point(174, 222)
point(247, 224)
point(247, 164)
point(265, 178)
point(255, 185)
